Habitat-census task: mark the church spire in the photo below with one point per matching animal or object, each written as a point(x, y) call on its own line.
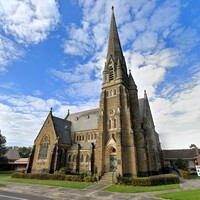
point(114, 46)
point(131, 82)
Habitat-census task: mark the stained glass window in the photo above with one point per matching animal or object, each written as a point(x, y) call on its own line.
point(44, 145)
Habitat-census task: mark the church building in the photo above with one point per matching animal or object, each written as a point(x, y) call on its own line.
point(119, 136)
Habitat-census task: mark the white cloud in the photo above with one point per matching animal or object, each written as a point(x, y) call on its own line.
point(84, 90)
point(21, 117)
point(8, 52)
point(28, 21)
point(177, 117)
point(165, 15)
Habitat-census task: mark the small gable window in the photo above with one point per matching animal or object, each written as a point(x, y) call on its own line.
point(82, 158)
point(87, 158)
point(44, 146)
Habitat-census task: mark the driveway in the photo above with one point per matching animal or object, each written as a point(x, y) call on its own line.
point(93, 192)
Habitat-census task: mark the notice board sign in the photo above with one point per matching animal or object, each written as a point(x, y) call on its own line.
point(198, 169)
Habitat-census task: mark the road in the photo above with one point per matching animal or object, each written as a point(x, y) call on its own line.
point(4, 195)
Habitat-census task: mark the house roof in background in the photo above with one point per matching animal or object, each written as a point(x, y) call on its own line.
point(12, 154)
point(179, 153)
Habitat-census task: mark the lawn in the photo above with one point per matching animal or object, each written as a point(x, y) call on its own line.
point(136, 189)
point(182, 195)
point(194, 176)
point(67, 184)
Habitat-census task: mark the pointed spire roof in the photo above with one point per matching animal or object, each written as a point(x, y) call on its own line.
point(131, 81)
point(114, 46)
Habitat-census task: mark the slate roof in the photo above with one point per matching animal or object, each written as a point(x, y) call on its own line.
point(179, 153)
point(12, 154)
point(62, 128)
point(85, 120)
point(85, 145)
point(141, 109)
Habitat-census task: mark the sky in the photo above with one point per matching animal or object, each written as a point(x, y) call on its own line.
point(52, 53)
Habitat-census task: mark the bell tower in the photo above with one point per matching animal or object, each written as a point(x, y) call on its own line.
point(116, 145)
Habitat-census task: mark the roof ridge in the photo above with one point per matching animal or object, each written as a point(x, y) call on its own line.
point(84, 111)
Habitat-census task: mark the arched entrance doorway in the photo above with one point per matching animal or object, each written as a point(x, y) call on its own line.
point(111, 159)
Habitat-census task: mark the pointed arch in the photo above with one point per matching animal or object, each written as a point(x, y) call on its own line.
point(82, 158)
point(87, 158)
point(44, 146)
point(74, 158)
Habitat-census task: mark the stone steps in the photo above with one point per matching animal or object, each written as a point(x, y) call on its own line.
point(107, 178)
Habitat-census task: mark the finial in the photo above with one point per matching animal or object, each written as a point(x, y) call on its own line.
point(68, 111)
point(51, 109)
point(129, 70)
point(113, 8)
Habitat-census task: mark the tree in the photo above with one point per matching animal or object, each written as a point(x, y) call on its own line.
point(181, 164)
point(2, 145)
point(193, 146)
point(24, 151)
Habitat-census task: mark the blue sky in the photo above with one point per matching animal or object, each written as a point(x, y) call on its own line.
point(52, 54)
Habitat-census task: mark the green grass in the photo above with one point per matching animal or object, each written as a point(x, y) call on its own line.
point(2, 185)
point(67, 184)
point(182, 195)
point(136, 189)
point(194, 176)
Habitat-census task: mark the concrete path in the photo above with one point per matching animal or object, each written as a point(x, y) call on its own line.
point(93, 192)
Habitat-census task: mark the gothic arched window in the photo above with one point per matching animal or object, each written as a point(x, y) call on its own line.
point(44, 146)
point(87, 158)
point(74, 158)
point(115, 123)
point(110, 124)
point(69, 158)
point(82, 158)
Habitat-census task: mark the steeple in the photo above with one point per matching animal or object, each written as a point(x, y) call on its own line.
point(114, 46)
point(131, 82)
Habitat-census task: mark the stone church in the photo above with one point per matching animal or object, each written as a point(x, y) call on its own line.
point(119, 136)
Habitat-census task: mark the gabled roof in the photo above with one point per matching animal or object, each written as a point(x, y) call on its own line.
point(12, 154)
point(179, 153)
point(85, 120)
point(62, 129)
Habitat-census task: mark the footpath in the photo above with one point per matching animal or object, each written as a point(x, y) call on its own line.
point(93, 192)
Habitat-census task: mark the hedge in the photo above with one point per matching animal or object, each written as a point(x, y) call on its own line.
point(149, 181)
point(78, 178)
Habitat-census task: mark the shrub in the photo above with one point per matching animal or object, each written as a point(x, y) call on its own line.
point(149, 181)
point(64, 170)
point(18, 175)
point(77, 178)
point(89, 179)
point(185, 174)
